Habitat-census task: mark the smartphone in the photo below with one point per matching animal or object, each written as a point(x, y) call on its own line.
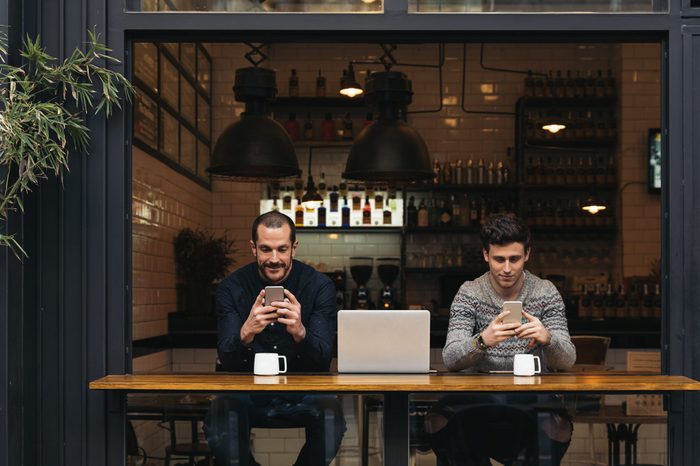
point(516, 311)
point(273, 293)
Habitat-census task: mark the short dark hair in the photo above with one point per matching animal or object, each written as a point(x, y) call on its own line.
point(502, 229)
point(274, 219)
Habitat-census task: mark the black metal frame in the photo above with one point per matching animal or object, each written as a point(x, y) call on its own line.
point(66, 321)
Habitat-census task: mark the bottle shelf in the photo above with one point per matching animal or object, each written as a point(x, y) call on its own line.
point(457, 229)
point(568, 101)
point(571, 187)
point(326, 102)
point(441, 270)
point(560, 144)
point(441, 188)
point(358, 229)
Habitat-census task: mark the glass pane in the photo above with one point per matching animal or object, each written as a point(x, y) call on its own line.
point(146, 56)
point(203, 71)
point(187, 58)
point(145, 114)
point(168, 81)
point(188, 158)
point(203, 159)
point(257, 6)
point(187, 101)
point(203, 117)
point(168, 135)
point(548, 6)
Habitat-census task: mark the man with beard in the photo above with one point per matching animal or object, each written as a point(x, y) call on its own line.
point(302, 328)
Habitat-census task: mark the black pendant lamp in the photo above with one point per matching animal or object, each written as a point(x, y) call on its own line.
point(389, 150)
point(256, 147)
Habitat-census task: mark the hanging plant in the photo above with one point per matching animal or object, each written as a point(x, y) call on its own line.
point(43, 107)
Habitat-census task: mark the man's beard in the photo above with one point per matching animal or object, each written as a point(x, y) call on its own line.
point(264, 268)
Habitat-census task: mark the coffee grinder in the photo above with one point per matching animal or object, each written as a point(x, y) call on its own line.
point(388, 269)
point(361, 271)
point(338, 278)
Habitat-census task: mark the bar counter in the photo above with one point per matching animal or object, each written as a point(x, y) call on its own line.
point(410, 383)
point(396, 389)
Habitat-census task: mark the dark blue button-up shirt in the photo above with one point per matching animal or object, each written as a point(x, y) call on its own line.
point(316, 294)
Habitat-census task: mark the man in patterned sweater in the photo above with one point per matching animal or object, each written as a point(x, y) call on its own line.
point(478, 340)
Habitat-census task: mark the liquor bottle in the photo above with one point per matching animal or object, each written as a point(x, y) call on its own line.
point(423, 218)
point(580, 85)
point(611, 87)
point(343, 188)
point(348, 133)
point(570, 85)
point(559, 88)
point(378, 201)
point(459, 172)
point(490, 174)
point(474, 211)
point(436, 169)
point(624, 305)
point(480, 175)
point(356, 199)
point(386, 217)
point(598, 303)
point(433, 213)
point(445, 219)
point(590, 85)
point(292, 127)
point(469, 175)
point(275, 207)
point(484, 211)
point(287, 199)
point(647, 303)
point(345, 214)
point(299, 214)
point(321, 213)
point(322, 188)
point(294, 84)
point(320, 85)
point(500, 172)
point(411, 213)
point(334, 199)
point(308, 128)
point(367, 212)
point(601, 85)
point(584, 307)
point(609, 304)
point(369, 190)
point(369, 119)
point(456, 211)
point(298, 187)
point(464, 212)
point(657, 302)
point(447, 173)
point(328, 128)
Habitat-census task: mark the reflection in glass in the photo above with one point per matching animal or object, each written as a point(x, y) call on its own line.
point(168, 81)
point(203, 160)
point(203, 116)
point(145, 114)
point(187, 100)
point(187, 150)
point(146, 55)
point(187, 58)
point(168, 135)
point(258, 6)
point(203, 71)
point(532, 6)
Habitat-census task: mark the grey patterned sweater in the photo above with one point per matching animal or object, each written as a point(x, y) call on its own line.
point(477, 304)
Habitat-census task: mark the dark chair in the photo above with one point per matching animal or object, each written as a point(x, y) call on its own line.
point(132, 448)
point(193, 449)
point(591, 349)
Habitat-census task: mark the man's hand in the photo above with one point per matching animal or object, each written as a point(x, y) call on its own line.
point(259, 317)
point(497, 331)
point(534, 329)
point(289, 311)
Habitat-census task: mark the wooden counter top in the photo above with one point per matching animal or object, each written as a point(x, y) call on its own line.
point(567, 382)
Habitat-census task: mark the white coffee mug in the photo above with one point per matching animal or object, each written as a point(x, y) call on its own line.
point(268, 364)
point(524, 364)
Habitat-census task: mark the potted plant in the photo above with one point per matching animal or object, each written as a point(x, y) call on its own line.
point(43, 106)
point(201, 258)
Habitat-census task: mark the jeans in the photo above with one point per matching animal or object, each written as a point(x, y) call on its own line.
point(230, 418)
point(467, 430)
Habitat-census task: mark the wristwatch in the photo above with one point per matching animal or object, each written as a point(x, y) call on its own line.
point(480, 343)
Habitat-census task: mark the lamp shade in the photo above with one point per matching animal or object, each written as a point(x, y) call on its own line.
point(255, 147)
point(389, 150)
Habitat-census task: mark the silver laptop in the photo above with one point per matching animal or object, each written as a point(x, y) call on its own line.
point(383, 341)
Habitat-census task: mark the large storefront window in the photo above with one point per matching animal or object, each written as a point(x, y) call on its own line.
point(258, 6)
point(536, 6)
